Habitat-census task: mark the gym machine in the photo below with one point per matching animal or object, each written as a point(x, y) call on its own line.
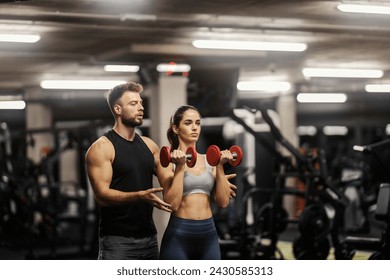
point(379, 246)
point(39, 212)
point(316, 229)
point(18, 195)
point(261, 216)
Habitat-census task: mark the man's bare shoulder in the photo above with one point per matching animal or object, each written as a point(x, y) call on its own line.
point(101, 142)
point(150, 143)
point(101, 146)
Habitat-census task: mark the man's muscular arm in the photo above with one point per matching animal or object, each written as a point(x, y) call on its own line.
point(98, 159)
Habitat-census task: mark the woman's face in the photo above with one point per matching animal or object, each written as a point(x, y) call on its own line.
point(189, 126)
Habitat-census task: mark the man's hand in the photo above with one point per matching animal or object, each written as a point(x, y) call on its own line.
point(150, 196)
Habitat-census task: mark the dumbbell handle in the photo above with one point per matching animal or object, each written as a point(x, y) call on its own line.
point(234, 155)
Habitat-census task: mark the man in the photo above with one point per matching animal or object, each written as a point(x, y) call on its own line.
point(120, 166)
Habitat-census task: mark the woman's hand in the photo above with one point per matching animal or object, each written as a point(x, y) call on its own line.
point(178, 157)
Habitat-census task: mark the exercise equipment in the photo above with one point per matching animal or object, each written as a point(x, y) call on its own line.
point(165, 156)
point(308, 249)
point(40, 212)
point(316, 230)
point(380, 246)
point(213, 155)
point(266, 222)
point(314, 223)
point(355, 180)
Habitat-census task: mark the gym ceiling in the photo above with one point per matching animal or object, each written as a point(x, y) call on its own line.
point(79, 37)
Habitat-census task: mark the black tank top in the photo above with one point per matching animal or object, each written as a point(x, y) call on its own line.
point(133, 168)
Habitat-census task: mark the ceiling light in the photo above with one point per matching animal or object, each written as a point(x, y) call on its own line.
point(341, 73)
point(377, 87)
point(306, 130)
point(121, 68)
point(138, 17)
point(173, 67)
point(12, 105)
point(19, 38)
point(335, 130)
point(366, 9)
point(321, 97)
point(252, 46)
point(263, 86)
point(80, 84)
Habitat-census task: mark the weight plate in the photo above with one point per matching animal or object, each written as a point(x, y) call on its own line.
point(311, 250)
point(314, 223)
point(165, 156)
point(213, 155)
point(191, 160)
point(238, 158)
point(266, 223)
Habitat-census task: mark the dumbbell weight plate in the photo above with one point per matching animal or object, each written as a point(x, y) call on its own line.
point(213, 155)
point(238, 158)
point(165, 156)
point(191, 155)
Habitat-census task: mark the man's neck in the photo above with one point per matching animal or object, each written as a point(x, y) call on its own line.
point(125, 132)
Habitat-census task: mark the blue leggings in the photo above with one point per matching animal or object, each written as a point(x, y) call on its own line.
point(186, 239)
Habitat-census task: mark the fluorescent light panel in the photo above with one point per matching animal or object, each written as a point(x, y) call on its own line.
point(12, 105)
point(335, 130)
point(248, 45)
point(173, 67)
point(19, 38)
point(80, 84)
point(366, 9)
point(263, 86)
point(377, 87)
point(121, 68)
point(306, 130)
point(11, 97)
point(341, 73)
point(321, 97)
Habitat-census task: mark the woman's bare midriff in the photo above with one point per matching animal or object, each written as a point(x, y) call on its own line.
point(194, 207)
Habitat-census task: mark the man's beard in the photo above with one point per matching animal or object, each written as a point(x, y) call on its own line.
point(131, 122)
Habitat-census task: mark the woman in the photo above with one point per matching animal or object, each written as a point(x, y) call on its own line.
point(191, 233)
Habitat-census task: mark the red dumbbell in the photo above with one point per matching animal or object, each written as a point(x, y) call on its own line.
point(165, 156)
point(213, 155)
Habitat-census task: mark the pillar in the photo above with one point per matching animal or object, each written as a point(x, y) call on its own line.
point(165, 98)
point(287, 110)
point(38, 116)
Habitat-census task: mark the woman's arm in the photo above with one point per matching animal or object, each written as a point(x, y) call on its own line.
point(172, 180)
point(222, 192)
